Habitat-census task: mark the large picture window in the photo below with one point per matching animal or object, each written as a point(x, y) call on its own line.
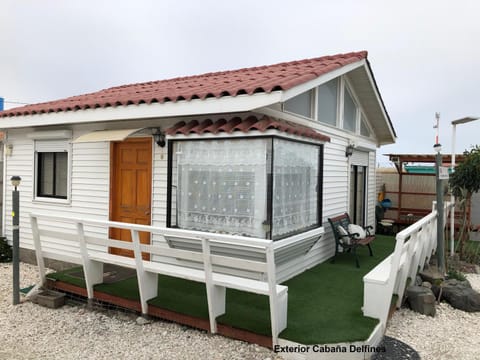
point(262, 187)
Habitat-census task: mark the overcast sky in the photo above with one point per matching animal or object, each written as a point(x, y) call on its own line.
point(425, 55)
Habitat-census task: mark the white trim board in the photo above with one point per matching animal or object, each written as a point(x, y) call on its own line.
point(227, 104)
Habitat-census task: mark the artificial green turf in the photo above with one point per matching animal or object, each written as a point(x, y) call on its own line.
point(324, 303)
point(65, 276)
point(182, 296)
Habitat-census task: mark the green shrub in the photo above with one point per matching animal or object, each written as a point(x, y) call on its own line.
point(455, 274)
point(5, 251)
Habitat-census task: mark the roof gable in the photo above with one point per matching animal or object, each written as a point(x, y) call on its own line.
point(263, 79)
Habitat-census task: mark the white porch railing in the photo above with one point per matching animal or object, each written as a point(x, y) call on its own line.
point(414, 247)
point(75, 243)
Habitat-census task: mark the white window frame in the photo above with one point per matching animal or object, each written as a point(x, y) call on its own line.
point(54, 141)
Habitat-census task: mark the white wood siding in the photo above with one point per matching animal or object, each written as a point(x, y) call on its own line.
point(90, 184)
point(89, 188)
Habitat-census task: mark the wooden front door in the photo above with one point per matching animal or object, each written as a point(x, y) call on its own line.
point(130, 188)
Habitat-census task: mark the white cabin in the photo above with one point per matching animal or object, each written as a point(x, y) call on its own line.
point(268, 152)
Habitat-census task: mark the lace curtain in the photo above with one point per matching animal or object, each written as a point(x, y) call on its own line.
point(295, 168)
point(221, 186)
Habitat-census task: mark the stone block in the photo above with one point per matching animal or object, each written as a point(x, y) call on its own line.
point(421, 300)
point(49, 298)
point(460, 295)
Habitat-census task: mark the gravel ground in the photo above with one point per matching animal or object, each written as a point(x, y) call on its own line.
point(29, 331)
point(451, 334)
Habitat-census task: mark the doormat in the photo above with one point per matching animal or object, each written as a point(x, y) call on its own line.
point(111, 273)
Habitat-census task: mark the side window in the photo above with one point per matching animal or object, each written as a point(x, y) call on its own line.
point(51, 169)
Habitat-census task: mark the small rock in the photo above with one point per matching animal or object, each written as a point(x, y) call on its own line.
point(427, 285)
point(418, 280)
point(421, 300)
point(432, 275)
point(142, 321)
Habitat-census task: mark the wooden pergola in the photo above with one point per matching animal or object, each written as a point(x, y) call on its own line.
point(401, 212)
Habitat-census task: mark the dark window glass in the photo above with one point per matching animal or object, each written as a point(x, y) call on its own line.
point(52, 174)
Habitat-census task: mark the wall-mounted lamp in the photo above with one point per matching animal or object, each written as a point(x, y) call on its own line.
point(8, 149)
point(349, 150)
point(159, 137)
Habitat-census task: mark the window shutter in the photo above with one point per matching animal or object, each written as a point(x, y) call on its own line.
point(359, 158)
point(51, 145)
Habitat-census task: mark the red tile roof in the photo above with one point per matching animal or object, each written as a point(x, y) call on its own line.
point(263, 79)
point(245, 125)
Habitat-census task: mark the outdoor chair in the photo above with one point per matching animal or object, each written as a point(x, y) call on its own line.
point(348, 240)
point(384, 226)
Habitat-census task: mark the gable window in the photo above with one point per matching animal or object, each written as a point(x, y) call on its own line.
point(364, 130)
point(300, 104)
point(51, 169)
point(349, 112)
point(261, 187)
point(327, 102)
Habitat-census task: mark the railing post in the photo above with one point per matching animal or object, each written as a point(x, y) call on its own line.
point(215, 294)
point(92, 270)
point(38, 249)
point(272, 284)
point(147, 282)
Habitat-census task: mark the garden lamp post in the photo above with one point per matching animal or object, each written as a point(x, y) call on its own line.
point(452, 197)
point(16, 238)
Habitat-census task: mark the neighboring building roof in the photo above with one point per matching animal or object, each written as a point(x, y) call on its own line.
point(423, 158)
point(400, 160)
point(263, 79)
point(245, 125)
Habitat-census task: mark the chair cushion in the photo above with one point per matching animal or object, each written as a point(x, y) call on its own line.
point(344, 233)
point(353, 228)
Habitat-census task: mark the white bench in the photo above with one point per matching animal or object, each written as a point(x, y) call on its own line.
point(93, 253)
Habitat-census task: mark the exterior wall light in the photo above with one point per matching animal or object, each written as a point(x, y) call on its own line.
point(159, 137)
point(8, 149)
point(349, 150)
